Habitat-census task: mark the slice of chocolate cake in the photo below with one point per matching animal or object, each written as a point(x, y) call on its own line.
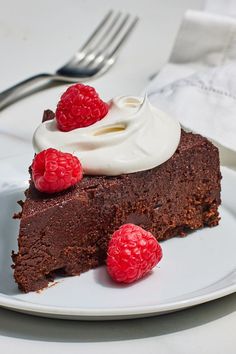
point(68, 232)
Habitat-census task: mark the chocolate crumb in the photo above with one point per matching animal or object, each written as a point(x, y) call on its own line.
point(48, 115)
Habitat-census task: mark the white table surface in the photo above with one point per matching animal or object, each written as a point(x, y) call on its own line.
point(41, 36)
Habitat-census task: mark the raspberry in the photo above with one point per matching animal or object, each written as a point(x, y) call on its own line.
point(54, 171)
point(132, 253)
point(79, 106)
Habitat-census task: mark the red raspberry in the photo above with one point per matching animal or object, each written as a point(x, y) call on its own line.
point(54, 171)
point(80, 106)
point(132, 253)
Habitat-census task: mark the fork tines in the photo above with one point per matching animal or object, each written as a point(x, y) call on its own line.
point(110, 34)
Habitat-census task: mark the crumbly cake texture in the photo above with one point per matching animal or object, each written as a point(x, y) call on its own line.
point(69, 232)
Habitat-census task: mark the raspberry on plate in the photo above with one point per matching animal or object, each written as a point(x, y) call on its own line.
point(132, 253)
point(79, 106)
point(54, 171)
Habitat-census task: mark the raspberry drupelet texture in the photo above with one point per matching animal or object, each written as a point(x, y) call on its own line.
point(132, 253)
point(54, 171)
point(79, 106)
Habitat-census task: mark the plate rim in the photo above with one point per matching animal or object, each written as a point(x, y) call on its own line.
point(111, 313)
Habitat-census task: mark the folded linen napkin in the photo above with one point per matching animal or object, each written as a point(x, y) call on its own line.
point(198, 85)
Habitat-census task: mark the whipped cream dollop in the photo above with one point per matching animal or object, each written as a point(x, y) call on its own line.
point(134, 136)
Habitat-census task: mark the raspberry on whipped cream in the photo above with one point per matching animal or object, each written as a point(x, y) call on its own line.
point(79, 106)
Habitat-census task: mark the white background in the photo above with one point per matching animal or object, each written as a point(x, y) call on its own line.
point(40, 36)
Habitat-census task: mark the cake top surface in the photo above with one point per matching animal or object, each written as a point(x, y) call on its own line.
point(41, 201)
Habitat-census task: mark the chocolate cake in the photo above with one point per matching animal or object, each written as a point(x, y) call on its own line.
point(68, 232)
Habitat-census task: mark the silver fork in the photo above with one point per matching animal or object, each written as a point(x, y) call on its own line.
point(93, 59)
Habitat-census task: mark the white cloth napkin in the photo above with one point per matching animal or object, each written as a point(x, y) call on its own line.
point(198, 85)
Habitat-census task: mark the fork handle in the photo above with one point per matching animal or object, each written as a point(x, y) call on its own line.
point(15, 92)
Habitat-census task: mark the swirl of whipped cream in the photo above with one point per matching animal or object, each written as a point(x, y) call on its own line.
point(134, 136)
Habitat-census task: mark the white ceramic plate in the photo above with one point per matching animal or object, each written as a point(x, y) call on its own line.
point(195, 269)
